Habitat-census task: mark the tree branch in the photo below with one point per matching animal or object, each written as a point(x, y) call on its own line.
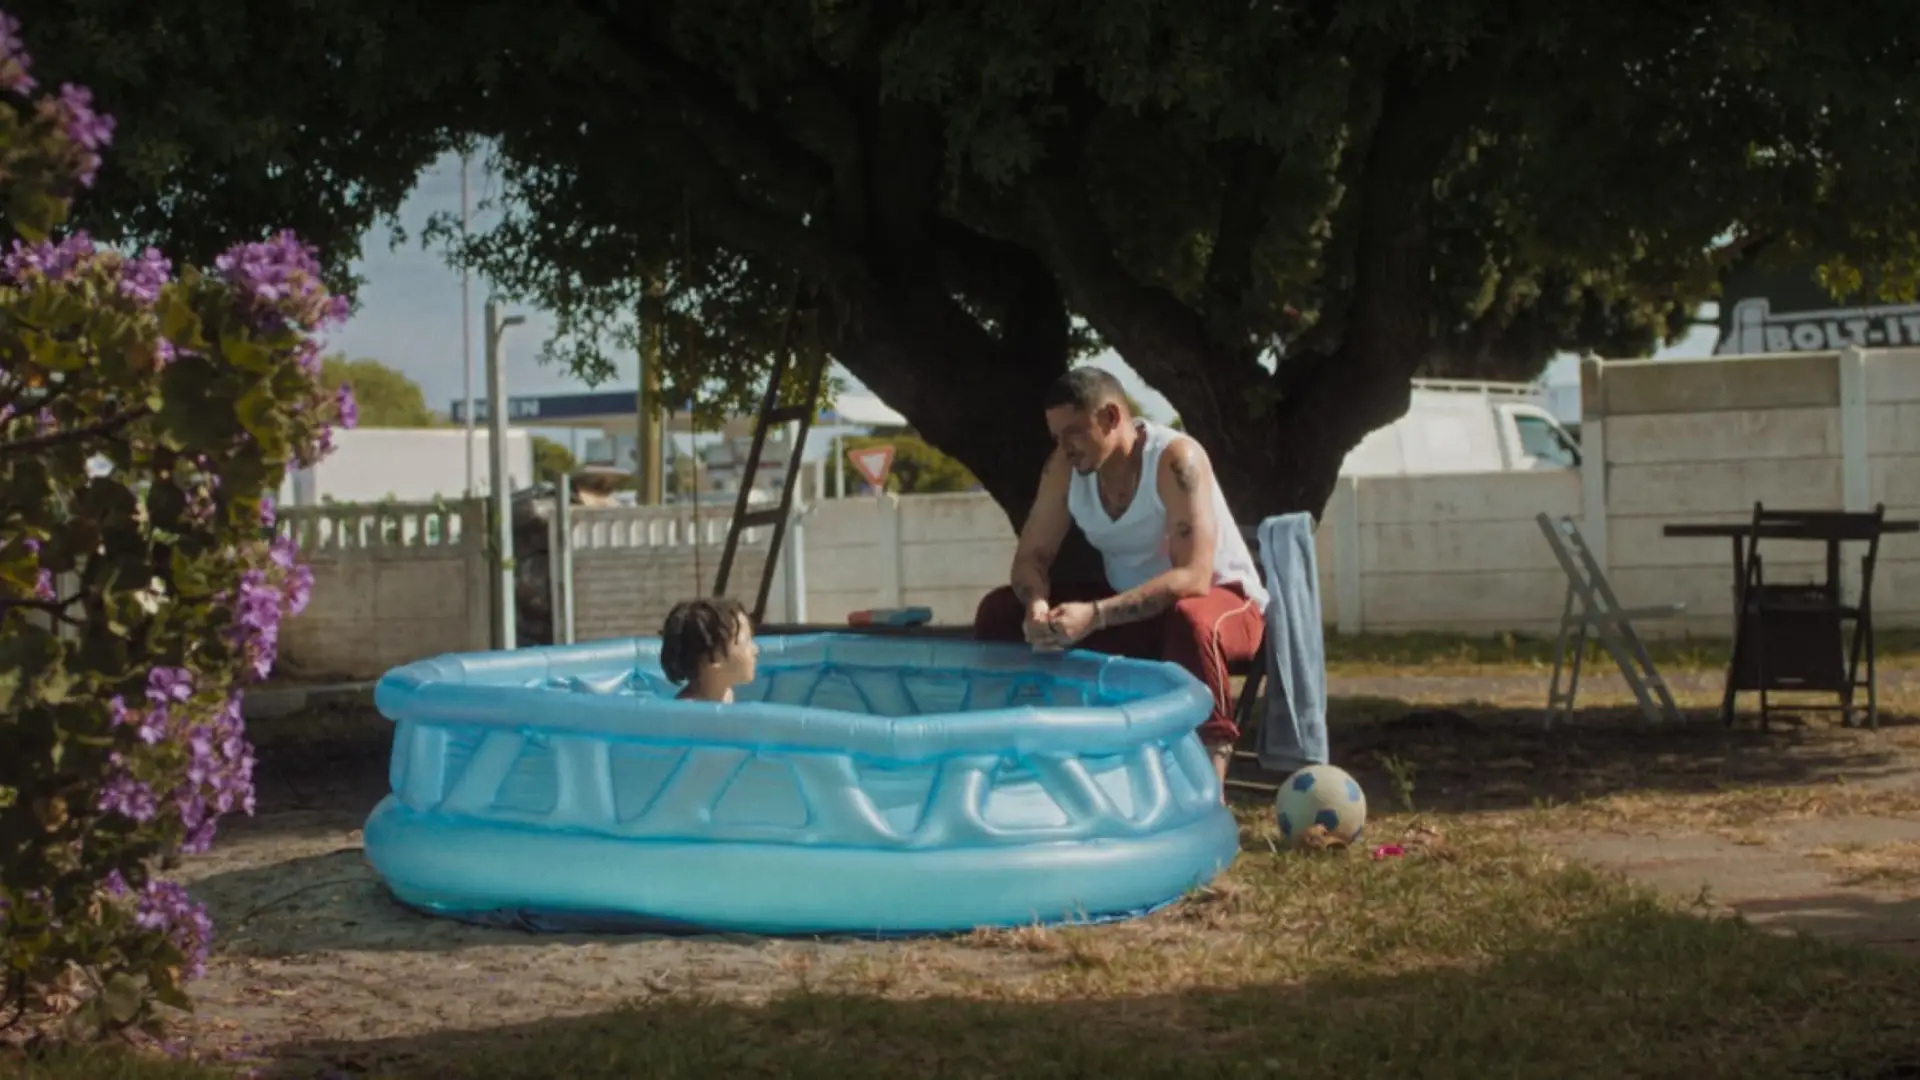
point(735, 219)
point(1014, 283)
point(106, 426)
point(743, 135)
point(56, 608)
point(1243, 216)
point(1741, 252)
point(1384, 330)
point(1467, 349)
point(1161, 337)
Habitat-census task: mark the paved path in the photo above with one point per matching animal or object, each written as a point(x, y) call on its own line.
point(1790, 882)
point(1783, 884)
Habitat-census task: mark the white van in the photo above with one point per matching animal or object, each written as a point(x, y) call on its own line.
point(1467, 427)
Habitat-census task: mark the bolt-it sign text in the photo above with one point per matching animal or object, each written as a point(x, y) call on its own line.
point(1755, 329)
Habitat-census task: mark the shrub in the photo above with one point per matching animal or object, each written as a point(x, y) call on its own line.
point(146, 418)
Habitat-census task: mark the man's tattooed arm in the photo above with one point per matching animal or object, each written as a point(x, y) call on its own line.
point(1186, 491)
point(1188, 473)
point(1030, 582)
point(1135, 604)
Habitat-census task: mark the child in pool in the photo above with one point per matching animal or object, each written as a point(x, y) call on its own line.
point(708, 644)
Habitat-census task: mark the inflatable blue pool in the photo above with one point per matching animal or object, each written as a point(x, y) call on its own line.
point(860, 784)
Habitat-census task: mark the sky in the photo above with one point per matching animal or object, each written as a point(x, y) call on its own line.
point(409, 318)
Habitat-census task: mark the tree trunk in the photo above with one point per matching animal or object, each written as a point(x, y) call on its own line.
point(1289, 460)
point(973, 396)
point(980, 401)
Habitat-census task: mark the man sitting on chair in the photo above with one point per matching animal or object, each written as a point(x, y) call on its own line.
point(1180, 583)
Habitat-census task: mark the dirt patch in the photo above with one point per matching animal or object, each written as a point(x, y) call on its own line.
point(311, 948)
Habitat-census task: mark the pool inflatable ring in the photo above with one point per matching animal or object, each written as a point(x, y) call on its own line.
point(860, 784)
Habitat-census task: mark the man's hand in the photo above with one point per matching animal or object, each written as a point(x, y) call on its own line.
point(1072, 622)
point(1040, 540)
point(1038, 629)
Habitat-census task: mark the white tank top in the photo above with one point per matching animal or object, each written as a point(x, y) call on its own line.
point(1134, 546)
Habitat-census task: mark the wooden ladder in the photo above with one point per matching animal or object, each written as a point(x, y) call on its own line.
point(771, 415)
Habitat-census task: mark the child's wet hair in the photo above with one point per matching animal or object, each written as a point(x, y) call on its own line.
point(698, 631)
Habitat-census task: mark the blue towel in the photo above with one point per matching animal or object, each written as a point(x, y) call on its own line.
point(1293, 731)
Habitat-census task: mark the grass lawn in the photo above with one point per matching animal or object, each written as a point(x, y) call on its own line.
point(1424, 653)
point(1471, 956)
point(1479, 952)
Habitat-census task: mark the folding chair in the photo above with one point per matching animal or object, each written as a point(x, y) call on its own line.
point(1805, 637)
point(1592, 609)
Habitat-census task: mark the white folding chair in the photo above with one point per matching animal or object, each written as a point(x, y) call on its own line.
point(1592, 609)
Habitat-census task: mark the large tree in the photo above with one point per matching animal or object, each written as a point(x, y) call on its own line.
point(387, 398)
point(1277, 213)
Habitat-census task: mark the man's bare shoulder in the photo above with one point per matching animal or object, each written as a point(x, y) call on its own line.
point(1054, 476)
point(1184, 462)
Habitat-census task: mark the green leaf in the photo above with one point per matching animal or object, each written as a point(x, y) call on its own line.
point(166, 993)
point(255, 411)
point(178, 323)
point(86, 1022)
point(27, 650)
point(122, 998)
point(54, 686)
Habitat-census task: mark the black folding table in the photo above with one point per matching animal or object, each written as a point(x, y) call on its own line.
point(1801, 637)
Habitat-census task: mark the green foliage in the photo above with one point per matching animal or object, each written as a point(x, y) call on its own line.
point(551, 461)
point(918, 468)
point(145, 421)
point(959, 201)
point(387, 398)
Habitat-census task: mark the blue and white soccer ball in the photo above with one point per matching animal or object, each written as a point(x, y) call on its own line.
point(1322, 795)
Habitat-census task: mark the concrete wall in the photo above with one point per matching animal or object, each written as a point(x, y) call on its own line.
point(941, 551)
point(1676, 441)
point(1459, 552)
point(631, 564)
point(1424, 547)
point(1890, 402)
point(391, 584)
point(1664, 442)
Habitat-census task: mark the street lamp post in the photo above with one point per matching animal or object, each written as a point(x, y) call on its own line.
point(466, 323)
point(504, 611)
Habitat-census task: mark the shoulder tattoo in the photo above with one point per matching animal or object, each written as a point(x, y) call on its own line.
point(1186, 473)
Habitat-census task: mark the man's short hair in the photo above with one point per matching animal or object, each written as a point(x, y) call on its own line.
point(696, 632)
point(1086, 388)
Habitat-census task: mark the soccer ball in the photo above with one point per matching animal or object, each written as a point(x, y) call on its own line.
point(1322, 795)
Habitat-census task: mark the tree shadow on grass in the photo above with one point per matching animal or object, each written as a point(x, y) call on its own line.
point(323, 771)
point(1640, 992)
point(1891, 922)
point(316, 770)
point(336, 902)
point(1474, 756)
